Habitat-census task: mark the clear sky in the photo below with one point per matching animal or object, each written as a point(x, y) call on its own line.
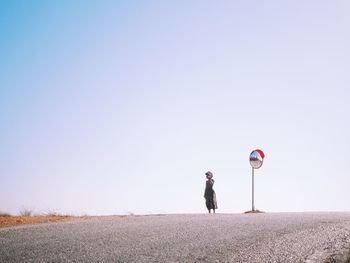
point(116, 107)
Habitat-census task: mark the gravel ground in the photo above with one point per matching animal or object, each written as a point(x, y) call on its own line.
point(277, 237)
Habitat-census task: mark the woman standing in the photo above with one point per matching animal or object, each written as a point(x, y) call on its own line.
point(209, 194)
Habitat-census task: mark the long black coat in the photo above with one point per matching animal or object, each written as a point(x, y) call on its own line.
point(209, 195)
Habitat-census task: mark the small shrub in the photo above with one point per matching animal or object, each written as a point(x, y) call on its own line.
point(26, 212)
point(51, 213)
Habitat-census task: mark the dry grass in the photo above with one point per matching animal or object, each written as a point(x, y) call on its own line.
point(348, 259)
point(4, 214)
point(341, 258)
point(8, 220)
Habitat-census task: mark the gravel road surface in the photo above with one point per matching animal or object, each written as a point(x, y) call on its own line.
point(275, 237)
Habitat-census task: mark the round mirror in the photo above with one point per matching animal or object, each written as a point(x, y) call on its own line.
point(256, 159)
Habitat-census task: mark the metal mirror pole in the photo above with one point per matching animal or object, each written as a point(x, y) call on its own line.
point(256, 160)
point(253, 189)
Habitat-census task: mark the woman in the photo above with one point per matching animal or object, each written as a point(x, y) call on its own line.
point(209, 194)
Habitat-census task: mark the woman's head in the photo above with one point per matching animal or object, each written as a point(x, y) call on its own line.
point(209, 174)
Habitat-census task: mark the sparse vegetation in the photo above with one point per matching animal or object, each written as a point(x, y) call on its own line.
point(54, 213)
point(26, 212)
point(27, 217)
point(342, 258)
point(348, 259)
point(4, 214)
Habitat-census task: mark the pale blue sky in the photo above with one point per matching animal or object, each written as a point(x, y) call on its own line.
point(111, 107)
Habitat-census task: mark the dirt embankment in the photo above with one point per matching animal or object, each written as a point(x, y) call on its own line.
point(6, 221)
